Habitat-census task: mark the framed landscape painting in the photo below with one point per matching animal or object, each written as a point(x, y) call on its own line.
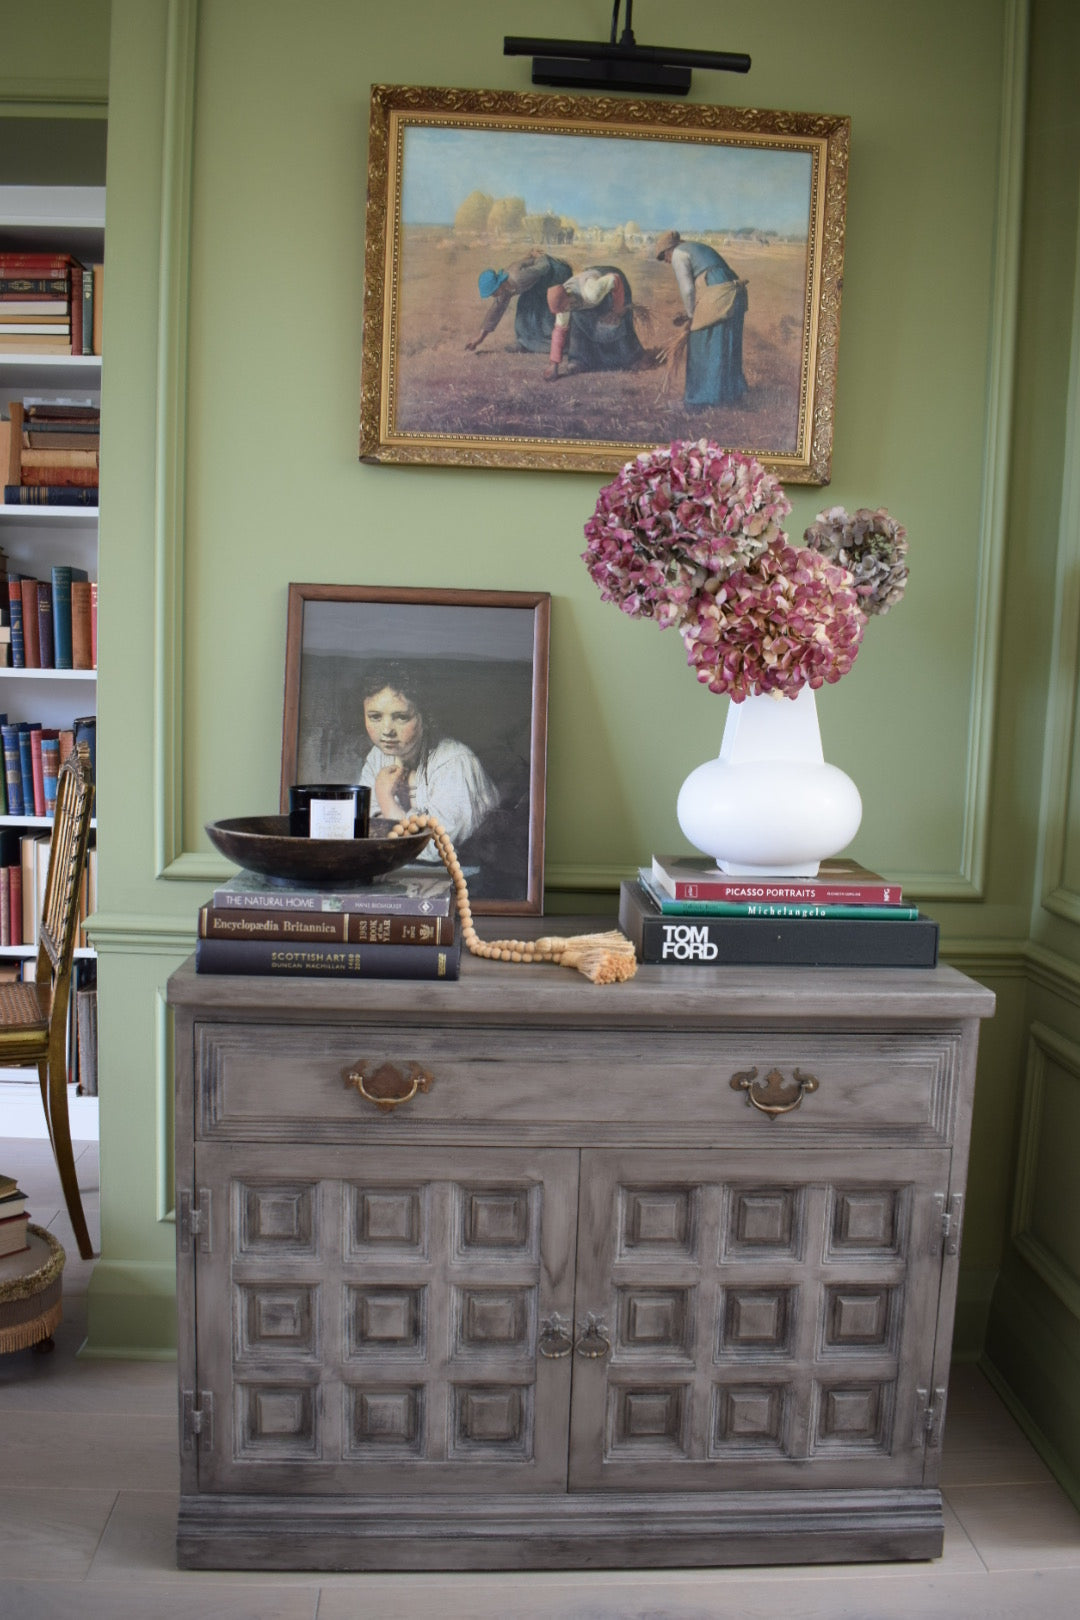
point(437, 701)
point(561, 282)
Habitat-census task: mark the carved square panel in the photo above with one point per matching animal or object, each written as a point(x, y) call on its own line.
point(762, 1221)
point(855, 1416)
point(649, 1419)
point(866, 1220)
point(276, 1219)
point(388, 1219)
point(276, 1420)
point(489, 1420)
point(493, 1319)
point(382, 1320)
point(750, 1418)
point(655, 1320)
point(276, 1317)
point(497, 1218)
point(658, 1218)
point(859, 1317)
point(387, 1422)
point(756, 1321)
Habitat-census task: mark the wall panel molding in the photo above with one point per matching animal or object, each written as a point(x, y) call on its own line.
point(170, 448)
point(1059, 757)
point(1046, 1049)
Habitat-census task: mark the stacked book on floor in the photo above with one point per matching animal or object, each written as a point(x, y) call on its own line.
point(13, 1217)
point(403, 926)
point(683, 910)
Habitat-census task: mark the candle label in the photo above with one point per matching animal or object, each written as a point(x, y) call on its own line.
point(332, 818)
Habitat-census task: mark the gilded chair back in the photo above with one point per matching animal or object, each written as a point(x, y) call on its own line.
point(67, 862)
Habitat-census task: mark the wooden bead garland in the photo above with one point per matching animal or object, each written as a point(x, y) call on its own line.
point(606, 958)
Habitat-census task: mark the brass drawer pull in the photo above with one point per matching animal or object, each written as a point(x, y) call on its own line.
point(386, 1086)
point(773, 1097)
point(555, 1340)
point(593, 1341)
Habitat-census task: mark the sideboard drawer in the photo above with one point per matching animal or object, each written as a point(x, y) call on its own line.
point(311, 1083)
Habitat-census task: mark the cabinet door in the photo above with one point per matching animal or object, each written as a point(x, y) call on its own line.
point(375, 1320)
point(770, 1316)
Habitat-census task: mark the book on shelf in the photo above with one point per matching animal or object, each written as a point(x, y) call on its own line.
point(54, 407)
point(75, 306)
point(86, 1026)
point(50, 495)
point(28, 588)
point(46, 289)
point(838, 882)
point(762, 908)
point(342, 927)
point(87, 309)
point(46, 651)
point(61, 435)
point(81, 632)
point(9, 731)
point(62, 578)
point(14, 324)
point(773, 941)
point(406, 891)
point(98, 302)
point(268, 958)
point(18, 645)
point(50, 767)
point(11, 344)
point(15, 915)
point(37, 771)
point(58, 456)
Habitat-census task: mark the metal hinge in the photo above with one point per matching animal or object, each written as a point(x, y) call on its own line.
point(929, 1416)
point(950, 1213)
point(193, 1220)
point(196, 1419)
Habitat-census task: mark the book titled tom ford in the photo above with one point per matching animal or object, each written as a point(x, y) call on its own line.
point(271, 959)
point(704, 941)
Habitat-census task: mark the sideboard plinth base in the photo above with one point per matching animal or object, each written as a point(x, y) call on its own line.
point(585, 1531)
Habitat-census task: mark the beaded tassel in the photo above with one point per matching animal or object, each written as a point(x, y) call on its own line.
point(606, 958)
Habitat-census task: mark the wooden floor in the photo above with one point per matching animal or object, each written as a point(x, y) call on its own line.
point(88, 1494)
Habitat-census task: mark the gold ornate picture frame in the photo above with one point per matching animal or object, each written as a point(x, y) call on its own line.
point(690, 256)
point(447, 690)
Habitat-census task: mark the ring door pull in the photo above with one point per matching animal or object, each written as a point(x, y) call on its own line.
point(593, 1340)
point(556, 1340)
point(773, 1096)
point(385, 1085)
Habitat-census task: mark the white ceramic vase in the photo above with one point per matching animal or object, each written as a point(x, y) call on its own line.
point(769, 804)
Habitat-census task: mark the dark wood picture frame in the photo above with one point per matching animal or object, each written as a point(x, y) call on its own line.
point(469, 190)
point(476, 664)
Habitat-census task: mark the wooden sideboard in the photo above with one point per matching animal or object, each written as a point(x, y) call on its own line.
point(522, 1272)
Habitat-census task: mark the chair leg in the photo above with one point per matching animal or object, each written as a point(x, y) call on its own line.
point(60, 1130)
point(43, 1082)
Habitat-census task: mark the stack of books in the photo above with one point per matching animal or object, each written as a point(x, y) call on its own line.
point(13, 1217)
point(50, 303)
point(402, 926)
point(52, 446)
point(684, 910)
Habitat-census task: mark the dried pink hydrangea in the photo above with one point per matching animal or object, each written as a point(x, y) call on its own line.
point(675, 518)
point(872, 546)
point(791, 619)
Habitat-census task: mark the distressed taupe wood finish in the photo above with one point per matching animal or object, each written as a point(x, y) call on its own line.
point(577, 1301)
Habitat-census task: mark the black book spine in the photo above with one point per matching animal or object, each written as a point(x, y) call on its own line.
point(274, 960)
point(698, 941)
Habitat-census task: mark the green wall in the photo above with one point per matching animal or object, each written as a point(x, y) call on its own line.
point(236, 189)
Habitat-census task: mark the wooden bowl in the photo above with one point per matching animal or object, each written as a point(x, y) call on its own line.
point(264, 844)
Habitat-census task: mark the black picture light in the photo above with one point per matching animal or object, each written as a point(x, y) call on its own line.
point(621, 64)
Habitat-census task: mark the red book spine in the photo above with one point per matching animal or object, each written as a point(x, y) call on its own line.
point(39, 773)
point(15, 920)
point(28, 588)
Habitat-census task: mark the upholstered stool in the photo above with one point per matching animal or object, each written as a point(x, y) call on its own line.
point(30, 1284)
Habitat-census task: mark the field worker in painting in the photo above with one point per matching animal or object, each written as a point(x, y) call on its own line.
point(602, 336)
point(714, 300)
point(528, 280)
point(412, 768)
